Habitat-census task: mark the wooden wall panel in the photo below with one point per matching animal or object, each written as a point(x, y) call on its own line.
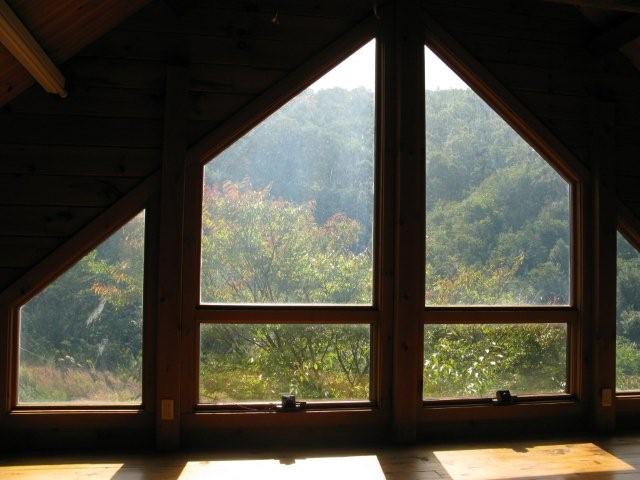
point(78, 160)
point(21, 252)
point(334, 9)
point(152, 46)
point(55, 190)
point(91, 101)
point(19, 220)
point(239, 23)
point(79, 131)
point(115, 73)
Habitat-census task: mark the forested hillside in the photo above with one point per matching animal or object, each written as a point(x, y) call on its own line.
point(288, 219)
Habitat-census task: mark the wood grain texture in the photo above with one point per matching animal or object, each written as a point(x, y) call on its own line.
point(45, 220)
point(169, 320)
point(63, 28)
point(575, 458)
point(76, 160)
point(406, 45)
point(603, 416)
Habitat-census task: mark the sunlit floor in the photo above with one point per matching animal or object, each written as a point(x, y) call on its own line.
point(617, 458)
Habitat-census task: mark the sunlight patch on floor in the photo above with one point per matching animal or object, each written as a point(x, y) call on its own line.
point(529, 462)
point(364, 467)
point(61, 471)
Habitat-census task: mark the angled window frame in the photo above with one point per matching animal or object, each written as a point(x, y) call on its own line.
point(377, 315)
point(533, 132)
point(142, 199)
point(629, 228)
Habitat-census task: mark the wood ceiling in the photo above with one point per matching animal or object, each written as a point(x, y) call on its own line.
point(63, 28)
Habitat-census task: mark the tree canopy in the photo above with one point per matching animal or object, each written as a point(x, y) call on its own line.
point(288, 219)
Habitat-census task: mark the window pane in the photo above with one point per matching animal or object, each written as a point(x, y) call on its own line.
point(628, 317)
point(81, 337)
point(243, 363)
point(473, 361)
point(288, 209)
point(498, 215)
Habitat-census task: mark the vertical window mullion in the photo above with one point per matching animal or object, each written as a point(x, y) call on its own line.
point(406, 80)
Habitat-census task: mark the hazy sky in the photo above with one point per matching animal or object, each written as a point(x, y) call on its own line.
point(359, 71)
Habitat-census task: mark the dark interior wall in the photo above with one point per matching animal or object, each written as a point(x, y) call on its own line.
point(63, 161)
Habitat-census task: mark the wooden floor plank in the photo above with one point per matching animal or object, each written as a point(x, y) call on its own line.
point(615, 458)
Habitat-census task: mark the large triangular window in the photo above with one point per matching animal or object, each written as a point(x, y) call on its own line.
point(627, 317)
point(288, 209)
point(498, 240)
point(498, 215)
point(288, 224)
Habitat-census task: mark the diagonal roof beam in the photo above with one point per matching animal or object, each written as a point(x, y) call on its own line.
point(617, 37)
point(19, 41)
point(631, 6)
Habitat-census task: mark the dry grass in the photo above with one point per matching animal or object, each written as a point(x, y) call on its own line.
point(49, 384)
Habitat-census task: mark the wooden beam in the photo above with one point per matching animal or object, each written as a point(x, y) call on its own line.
point(617, 37)
point(406, 70)
point(632, 6)
point(19, 41)
point(5, 364)
point(169, 324)
point(604, 311)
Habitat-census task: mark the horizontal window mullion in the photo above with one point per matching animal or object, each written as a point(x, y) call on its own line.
point(71, 407)
point(520, 399)
point(499, 315)
point(272, 406)
point(287, 315)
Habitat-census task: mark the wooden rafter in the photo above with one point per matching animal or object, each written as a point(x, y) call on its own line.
point(631, 6)
point(19, 41)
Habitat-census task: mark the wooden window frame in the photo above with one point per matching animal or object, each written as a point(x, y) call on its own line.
point(629, 228)
point(142, 198)
point(197, 313)
point(532, 131)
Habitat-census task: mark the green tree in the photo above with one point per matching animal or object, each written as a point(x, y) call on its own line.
point(260, 249)
point(81, 337)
